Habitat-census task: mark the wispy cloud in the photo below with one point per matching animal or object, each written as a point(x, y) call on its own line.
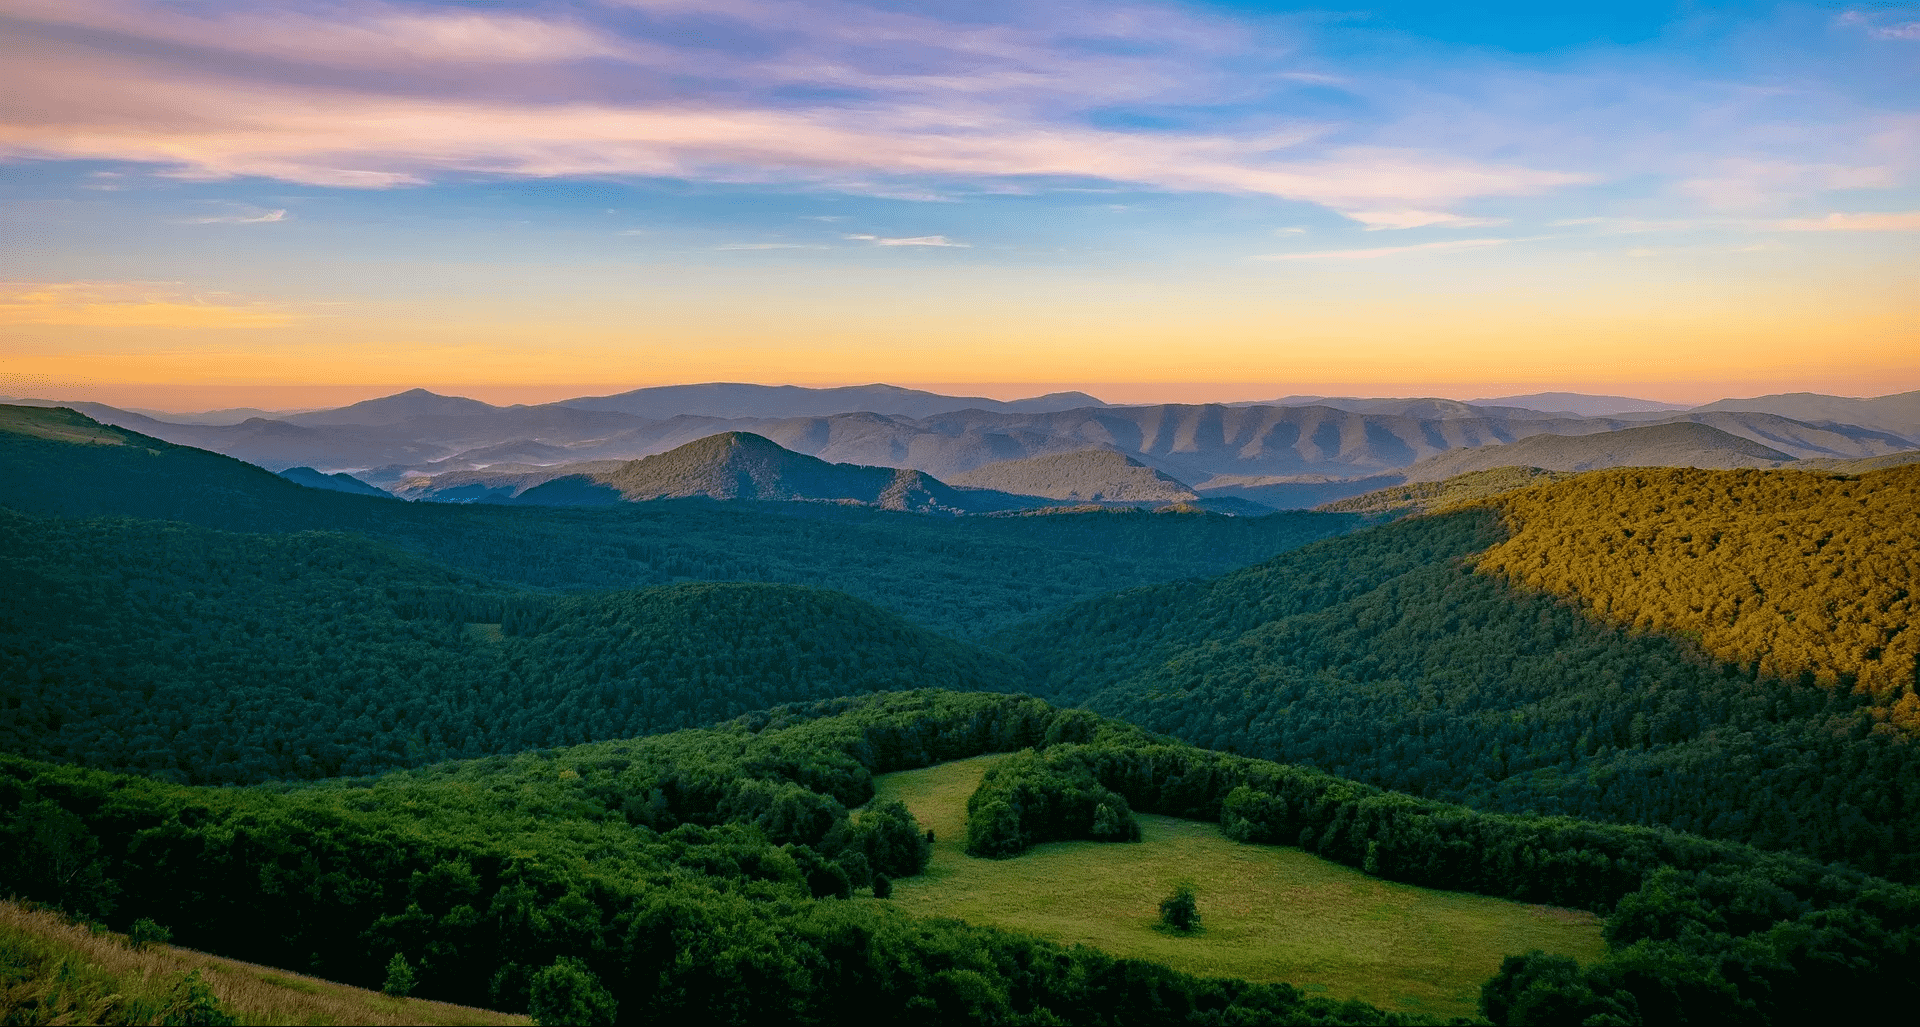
point(1375, 220)
point(912, 240)
point(1879, 29)
point(262, 218)
point(130, 305)
point(1896, 221)
point(1390, 251)
point(921, 101)
point(942, 102)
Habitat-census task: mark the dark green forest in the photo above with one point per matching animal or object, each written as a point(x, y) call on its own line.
point(963, 577)
point(218, 657)
point(705, 876)
point(1384, 657)
point(710, 876)
point(471, 736)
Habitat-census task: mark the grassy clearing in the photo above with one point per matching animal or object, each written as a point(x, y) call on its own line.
point(53, 971)
point(1268, 913)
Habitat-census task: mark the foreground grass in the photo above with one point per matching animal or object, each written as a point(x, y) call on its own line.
point(1268, 913)
point(56, 972)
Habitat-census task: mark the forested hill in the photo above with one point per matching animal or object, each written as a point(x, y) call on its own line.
point(200, 655)
point(962, 577)
point(1677, 444)
point(704, 877)
point(1386, 656)
point(1795, 576)
point(742, 465)
point(1087, 475)
point(727, 465)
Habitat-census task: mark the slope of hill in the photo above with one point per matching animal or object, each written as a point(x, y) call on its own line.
point(965, 577)
point(1679, 444)
point(742, 465)
point(1792, 576)
point(61, 971)
point(1386, 656)
point(1088, 475)
point(1898, 413)
point(1427, 496)
point(174, 650)
point(730, 465)
point(718, 876)
point(335, 482)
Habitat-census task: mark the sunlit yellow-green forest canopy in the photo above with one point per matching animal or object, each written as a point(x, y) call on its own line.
point(1790, 574)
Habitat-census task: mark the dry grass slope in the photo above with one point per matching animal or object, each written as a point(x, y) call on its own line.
point(1268, 913)
point(53, 972)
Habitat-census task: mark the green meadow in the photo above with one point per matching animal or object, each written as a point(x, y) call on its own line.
point(1268, 913)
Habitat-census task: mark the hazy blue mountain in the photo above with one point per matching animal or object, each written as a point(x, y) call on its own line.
point(1289, 446)
point(335, 482)
point(1085, 476)
point(1579, 404)
point(276, 445)
point(1898, 413)
point(403, 406)
point(729, 399)
point(730, 465)
point(230, 415)
point(1678, 444)
point(1798, 439)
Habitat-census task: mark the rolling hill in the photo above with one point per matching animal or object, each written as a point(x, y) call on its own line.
point(1318, 442)
point(221, 657)
point(1898, 414)
point(1677, 444)
point(1717, 651)
point(335, 482)
point(1088, 476)
point(965, 577)
point(723, 876)
point(729, 465)
point(1428, 496)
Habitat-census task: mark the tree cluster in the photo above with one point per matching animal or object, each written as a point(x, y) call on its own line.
point(1698, 930)
point(671, 875)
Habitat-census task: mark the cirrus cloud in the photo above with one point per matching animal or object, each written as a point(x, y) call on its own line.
point(368, 95)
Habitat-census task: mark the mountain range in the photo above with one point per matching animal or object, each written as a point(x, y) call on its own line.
point(1300, 451)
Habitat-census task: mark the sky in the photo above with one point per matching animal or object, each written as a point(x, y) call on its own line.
point(207, 203)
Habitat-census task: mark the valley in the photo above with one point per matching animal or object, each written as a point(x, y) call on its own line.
point(1268, 914)
point(681, 730)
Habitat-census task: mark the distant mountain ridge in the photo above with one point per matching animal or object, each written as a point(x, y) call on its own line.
point(1679, 444)
point(1087, 475)
point(735, 400)
point(741, 465)
point(1287, 455)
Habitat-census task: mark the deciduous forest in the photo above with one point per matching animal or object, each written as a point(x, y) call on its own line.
point(624, 758)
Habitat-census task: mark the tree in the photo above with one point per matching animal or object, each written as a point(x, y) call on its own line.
point(882, 886)
point(568, 993)
point(145, 934)
point(1179, 912)
point(400, 978)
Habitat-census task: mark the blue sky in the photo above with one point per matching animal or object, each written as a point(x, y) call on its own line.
point(829, 190)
